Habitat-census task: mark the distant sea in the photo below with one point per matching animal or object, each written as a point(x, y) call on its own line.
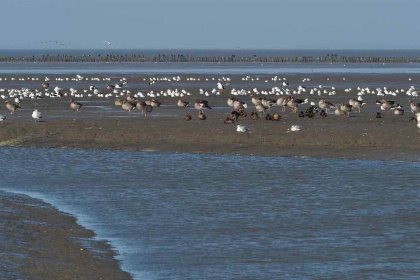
point(216, 53)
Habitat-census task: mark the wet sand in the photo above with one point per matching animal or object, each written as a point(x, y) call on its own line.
point(39, 242)
point(102, 125)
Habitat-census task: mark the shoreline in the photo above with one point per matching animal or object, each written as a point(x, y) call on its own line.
point(42, 242)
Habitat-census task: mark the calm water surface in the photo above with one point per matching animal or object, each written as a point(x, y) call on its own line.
point(181, 216)
point(146, 68)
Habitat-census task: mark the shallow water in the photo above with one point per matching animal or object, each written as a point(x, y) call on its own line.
point(182, 216)
point(149, 68)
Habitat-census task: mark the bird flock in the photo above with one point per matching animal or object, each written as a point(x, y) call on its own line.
point(320, 99)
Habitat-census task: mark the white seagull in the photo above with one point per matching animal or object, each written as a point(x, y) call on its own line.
point(109, 44)
point(296, 128)
point(36, 115)
point(242, 128)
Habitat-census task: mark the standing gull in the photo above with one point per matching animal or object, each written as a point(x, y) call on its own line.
point(36, 115)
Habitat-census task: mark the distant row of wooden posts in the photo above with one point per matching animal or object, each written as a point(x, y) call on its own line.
point(221, 59)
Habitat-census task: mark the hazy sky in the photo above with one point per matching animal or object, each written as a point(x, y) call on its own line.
point(211, 24)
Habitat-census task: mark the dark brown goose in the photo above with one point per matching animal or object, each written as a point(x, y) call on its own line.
point(187, 117)
point(276, 117)
point(254, 116)
point(229, 121)
point(201, 116)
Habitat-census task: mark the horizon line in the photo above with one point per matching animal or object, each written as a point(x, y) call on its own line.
point(217, 49)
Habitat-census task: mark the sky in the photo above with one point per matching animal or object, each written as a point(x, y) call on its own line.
point(210, 24)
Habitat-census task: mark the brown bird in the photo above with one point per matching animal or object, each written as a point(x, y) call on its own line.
point(356, 104)
point(229, 121)
point(325, 105)
point(201, 116)
point(256, 100)
point(386, 105)
point(310, 114)
point(379, 115)
point(155, 103)
point(129, 98)
point(294, 103)
point(187, 117)
point(268, 117)
point(75, 106)
point(148, 110)
point(346, 108)
point(260, 109)
point(141, 106)
point(282, 102)
point(128, 106)
point(267, 103)
point(234, 115)
point(11, 107)
point(276, 117)
point(254, 116)
point(242, 115)
point(182, 103)
point(200, 105)
point(415, 107)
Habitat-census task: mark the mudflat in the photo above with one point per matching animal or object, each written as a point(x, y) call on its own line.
point(39, 242)
point(102, 125)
